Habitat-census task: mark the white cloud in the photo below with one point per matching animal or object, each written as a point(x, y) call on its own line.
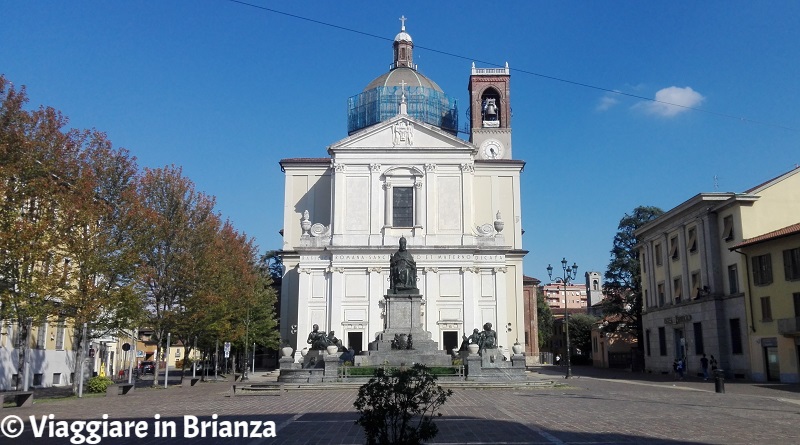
point(672, 101)
point(606, 102)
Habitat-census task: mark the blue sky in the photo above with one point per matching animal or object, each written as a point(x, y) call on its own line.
point(226, 90)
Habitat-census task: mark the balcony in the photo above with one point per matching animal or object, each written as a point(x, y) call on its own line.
point(789, 327)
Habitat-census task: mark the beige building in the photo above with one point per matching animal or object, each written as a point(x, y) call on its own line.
point(696, 293)
point(402, 172)
point(773, 303)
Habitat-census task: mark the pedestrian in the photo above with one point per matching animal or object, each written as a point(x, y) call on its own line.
point(704, 365)
point(713, 363)
point(678, 366)
point(558, 359)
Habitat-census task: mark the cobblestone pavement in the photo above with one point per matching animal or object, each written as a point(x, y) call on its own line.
point(595, 407)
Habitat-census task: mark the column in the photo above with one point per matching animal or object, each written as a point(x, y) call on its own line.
point(337, 290)
point(501, 309)
point(388, 202)
point(377, 288)
point(419, 205)
point(303, 320)
point(472, 319)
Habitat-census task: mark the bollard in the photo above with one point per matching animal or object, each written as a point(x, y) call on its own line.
point(719, 381)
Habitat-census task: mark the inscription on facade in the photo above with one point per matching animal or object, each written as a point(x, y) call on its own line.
point(678, 319)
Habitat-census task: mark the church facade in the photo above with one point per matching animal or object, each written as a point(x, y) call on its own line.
point(403, 172)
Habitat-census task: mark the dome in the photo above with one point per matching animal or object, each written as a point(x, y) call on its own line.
point(403, 36)
point(403, 76)
point(380, 100)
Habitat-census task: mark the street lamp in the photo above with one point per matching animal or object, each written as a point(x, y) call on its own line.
point(569, 274)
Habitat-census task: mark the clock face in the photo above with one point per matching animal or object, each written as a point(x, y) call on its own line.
point(492, 149)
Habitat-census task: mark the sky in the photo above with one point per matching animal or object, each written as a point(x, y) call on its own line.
point(226, 89)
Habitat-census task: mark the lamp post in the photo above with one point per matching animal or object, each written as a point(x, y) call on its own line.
point(569, 274)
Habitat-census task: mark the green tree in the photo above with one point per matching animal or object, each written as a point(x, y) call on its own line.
point(580, 332)
point(623, 282)
point(398, 407)
point(544, 319)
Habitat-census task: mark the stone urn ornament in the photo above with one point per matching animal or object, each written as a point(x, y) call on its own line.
point(305, 223)
point(517, 348)
point(473, 348)
point(498, 223)
point(303, 352)
point(287, 351)
point(332, 349)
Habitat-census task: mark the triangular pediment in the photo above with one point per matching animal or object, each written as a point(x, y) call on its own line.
point(401, 132)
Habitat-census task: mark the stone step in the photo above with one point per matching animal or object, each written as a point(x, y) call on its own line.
point(444, 384)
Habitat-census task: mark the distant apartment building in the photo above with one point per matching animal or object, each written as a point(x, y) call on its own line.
point(576, 295)
point(697, 294)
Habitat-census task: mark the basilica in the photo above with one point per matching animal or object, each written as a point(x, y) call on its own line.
point(403, 172)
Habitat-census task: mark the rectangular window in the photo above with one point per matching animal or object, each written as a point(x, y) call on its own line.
point(643, 263)
point(60, 328)
point(56, 378)
point(698, 338)
point(691, 243)
point(37, 379)
point(697, 284)
point(791, 264)
point(662, 341)
point(796, 298)
point(727, 228)
point(766, 309)
point(661, 294)
point(677, 289)
point(762, 269)
point(659, 260)
point(402, 206)
point(673, 248)
point(733, 278)
point(647, 341)
point(41, 336)
point(736, 336)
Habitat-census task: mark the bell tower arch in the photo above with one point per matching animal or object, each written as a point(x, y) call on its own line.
point(490, 115)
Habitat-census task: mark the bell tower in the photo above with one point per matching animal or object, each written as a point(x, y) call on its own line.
point(490, 115)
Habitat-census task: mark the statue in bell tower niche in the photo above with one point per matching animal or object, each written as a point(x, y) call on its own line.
point(403, 271)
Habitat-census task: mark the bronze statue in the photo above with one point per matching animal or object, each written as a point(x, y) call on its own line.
point(403, 271)
point(317, 340)
point(488, 338)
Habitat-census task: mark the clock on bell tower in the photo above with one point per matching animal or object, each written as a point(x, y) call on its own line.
point(490, 115)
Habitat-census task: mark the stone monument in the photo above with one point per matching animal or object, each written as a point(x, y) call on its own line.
point(403, 340)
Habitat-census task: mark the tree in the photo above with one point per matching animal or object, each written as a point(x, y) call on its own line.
point(580, 332)
point(398, 407)
point(180, 229)
point(37, 159)
point(623, 281)
point(544, 318)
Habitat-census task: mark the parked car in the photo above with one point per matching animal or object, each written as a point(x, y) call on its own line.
point(147, 368)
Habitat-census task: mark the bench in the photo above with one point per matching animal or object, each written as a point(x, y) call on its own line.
point(20, 398)
point(272, 389)
point(119, 389)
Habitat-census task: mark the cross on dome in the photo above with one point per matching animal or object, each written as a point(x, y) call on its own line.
point(403, 22)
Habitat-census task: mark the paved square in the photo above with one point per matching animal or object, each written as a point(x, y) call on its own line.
point(597, 407)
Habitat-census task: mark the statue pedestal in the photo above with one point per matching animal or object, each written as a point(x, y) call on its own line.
point(403, 322)
point(404, 319)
